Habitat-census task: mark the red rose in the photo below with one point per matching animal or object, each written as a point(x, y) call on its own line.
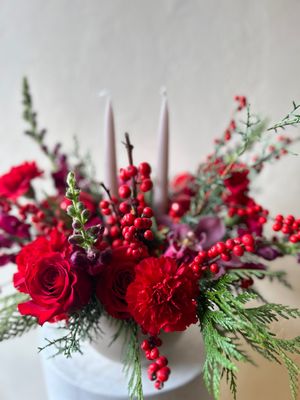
point(46, 274)
point(17, 181)
point(162, 296)
point(113, 282)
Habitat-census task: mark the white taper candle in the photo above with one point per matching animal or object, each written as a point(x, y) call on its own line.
point(110, 159)
point(162, 167)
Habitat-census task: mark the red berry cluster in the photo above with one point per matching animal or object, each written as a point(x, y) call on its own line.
point(158, 371)
point(252, 210)
point(242, 102)
point(140, 175)
point(27, 209)
point(230, 129)
point(206, 260)
point(288, 226)
point(130, 219)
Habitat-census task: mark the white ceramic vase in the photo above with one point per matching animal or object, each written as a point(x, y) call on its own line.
point(97, 373)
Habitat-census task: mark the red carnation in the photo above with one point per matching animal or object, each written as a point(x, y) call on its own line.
point(46, 274)
point(17, 181)
point(162, 296)
point(113, 282)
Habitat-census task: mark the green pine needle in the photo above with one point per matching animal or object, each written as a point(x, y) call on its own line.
point(224, 319)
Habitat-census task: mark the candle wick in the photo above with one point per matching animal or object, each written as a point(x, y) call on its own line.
point(163, 92)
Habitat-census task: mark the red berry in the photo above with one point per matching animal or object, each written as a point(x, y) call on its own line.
point(132, 171)
point(279, 218)
point(286, 229)
point(124, 175)
point(153, 367)
point(262, 220)
point(221, 247)
point(202, 254)
point(196, 268)
point(225, 257)
point(158, 385)
point(147, 212)
point(277, 226)
point(145, 345)
point(106, 211)
point(148, 353)
point(250, 249)
point(238, 250)
point(124, 207)
point(248, 240)
point(114, 231)
point(293, 239)
point(138, 223)
point(146, 185)
point(144, 169)
point(229, 244)
point(163, 374)
point(124, 191)
point(148, 235)
point(162, 361)
point(154, 354)
point(104, 204)
point(245, 283)
point(214, 268)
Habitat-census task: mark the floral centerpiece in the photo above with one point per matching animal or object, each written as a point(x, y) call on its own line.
point(84, 252)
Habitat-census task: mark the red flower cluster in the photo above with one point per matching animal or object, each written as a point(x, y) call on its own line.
point(162, 296)
point(113, 282)
point(46, 274)
point(17, 181)
point(240, 203)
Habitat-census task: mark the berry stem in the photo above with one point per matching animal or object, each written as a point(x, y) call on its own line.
point(129, 148)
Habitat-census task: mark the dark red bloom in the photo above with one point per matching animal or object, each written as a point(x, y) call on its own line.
point(182, 183)
point(161, 297)
point(113, 282)
point(46, 274)
point(238, 182)
point(17, 181)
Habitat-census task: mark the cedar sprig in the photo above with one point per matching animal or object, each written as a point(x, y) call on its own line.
point(132, 362)
point(82, 325)
point(12, 324)
point(224, 319)
point(291, 119)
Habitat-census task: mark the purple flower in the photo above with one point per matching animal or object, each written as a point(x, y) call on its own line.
point(268, 252)
point(13, 226)
point(5, 241)
point(184, 242)
point(209, 231)
point(60, 175)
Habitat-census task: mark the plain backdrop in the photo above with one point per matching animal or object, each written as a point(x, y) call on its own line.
point(203, 52)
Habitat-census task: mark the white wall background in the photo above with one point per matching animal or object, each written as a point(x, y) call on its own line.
point(204, 52)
